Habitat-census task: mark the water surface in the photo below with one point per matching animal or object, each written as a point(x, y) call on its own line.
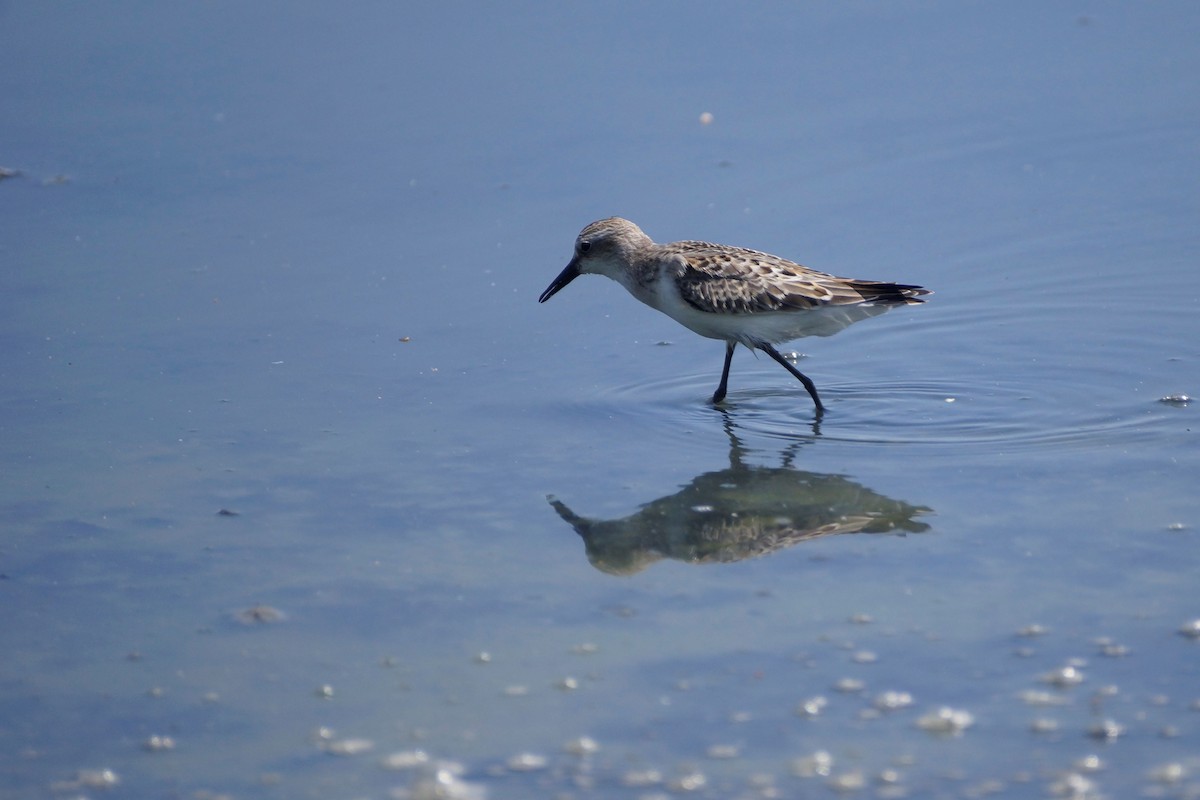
point(296, 468)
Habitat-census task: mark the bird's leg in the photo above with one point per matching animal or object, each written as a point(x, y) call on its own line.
point(800, 376)
point(719, 395)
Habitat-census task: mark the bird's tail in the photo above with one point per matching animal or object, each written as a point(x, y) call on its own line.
point(890, 293)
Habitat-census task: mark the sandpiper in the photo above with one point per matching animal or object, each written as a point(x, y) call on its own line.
point(730, 293)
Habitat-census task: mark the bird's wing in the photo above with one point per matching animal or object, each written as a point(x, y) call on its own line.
point(732, 280)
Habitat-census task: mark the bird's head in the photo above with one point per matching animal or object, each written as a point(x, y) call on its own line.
point(606, 247)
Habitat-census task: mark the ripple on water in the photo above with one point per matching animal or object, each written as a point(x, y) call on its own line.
point(1000, 415)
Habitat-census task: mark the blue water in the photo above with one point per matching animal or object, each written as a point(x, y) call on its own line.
point(282, 261)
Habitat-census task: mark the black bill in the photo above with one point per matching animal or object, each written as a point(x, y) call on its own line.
point(569, 273)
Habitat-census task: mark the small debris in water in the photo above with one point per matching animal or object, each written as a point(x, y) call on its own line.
point(706, 118)
point(849, 685)
point(444, 782)
point(583, 746)
point(817, 765)
point(724, 751)
point(157, 744)
point(259, 615)
point(89, 779)
point(1032, 630)
point(641, 778)
point(1176, 399)
point(1107, 730)
point(1064, 677)
point(688, 782)
point(1110, 648)
point(663, 343)
point(891, 777)
point(406, 339)
point(405, 759)
point(1044, 725)
point(848, 782)
point(893, 701)
point(526, 762)
point(1173, 772)
point(946, 720)
point(1074, 786)
point(349, 747)
point(813, 706)
point(227, 512)
point(1191, 629)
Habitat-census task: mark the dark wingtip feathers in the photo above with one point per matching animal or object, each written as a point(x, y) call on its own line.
point(899, 293)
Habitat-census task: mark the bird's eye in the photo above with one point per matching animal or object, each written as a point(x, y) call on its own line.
point(584, 246)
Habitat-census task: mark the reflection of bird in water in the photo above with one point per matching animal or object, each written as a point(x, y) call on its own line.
point(739, 296)
point(738, 513)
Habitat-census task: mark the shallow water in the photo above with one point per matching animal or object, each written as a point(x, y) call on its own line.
point(296, 468)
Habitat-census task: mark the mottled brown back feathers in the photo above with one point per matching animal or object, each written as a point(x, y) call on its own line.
point(734, 280)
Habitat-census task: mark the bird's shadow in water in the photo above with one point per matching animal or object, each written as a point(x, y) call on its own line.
point(740, 512)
